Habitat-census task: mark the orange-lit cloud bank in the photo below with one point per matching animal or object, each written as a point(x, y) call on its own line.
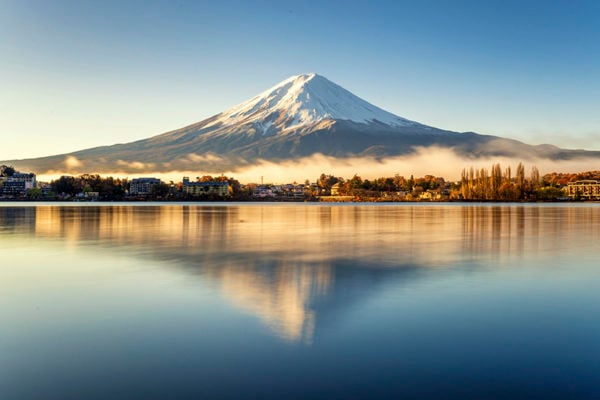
point(431, 160)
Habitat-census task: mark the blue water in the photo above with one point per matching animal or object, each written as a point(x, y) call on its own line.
point(286, 301)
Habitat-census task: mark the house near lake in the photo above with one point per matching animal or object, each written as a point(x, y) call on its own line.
point(205, 188)
point(585, 189)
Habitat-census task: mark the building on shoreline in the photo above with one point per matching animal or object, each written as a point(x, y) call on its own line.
point(205, 188)
point(17, 184)
point(584, 189)
point(335, 189)
point(143, 186)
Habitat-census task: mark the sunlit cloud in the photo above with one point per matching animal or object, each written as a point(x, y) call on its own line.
point(72, 162)
point(136, 166)
point(208, 157)
point(425, 160)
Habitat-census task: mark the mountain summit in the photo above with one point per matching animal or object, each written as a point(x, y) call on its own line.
point(302, 116)
point(304, 101)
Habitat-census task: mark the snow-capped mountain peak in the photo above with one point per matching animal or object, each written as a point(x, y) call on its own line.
point(303, 116)
point(305, 100)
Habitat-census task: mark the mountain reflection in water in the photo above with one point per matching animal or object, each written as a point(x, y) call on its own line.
point(289, 265)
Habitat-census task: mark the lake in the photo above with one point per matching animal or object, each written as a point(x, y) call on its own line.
point(285, 301)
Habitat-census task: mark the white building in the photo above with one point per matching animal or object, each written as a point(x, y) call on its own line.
point(17, 184)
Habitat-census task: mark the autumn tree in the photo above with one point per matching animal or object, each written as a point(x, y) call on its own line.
point(479, 184)
point(325, 182)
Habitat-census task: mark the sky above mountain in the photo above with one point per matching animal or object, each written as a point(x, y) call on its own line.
point(77, 74)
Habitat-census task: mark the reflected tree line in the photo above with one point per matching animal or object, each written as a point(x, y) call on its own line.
point(288, 280)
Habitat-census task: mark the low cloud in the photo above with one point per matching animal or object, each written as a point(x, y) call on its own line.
point(431, 160)
point(426, 160)
point(207, 158)
point(72, 163)
point(136, 165)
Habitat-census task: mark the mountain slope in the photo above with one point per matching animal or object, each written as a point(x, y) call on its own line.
point(305, 100)
point(299, 117)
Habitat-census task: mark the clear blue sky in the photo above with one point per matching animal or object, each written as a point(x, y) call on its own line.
point(76, 74)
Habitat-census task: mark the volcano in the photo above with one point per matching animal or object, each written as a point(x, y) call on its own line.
point(302, 116)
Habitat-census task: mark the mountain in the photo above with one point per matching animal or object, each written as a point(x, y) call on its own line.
point(299, 117)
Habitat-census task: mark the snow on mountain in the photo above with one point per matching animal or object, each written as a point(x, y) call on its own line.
point(300, 117)
point(305, 100)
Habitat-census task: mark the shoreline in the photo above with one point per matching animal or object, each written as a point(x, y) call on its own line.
point(313, 201)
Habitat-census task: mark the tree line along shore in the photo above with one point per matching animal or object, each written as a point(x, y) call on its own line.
point(476, 184)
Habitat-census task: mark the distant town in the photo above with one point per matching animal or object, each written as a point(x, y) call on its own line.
point(495, 184)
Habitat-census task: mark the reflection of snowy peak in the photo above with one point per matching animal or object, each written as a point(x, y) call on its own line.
point(305, 100)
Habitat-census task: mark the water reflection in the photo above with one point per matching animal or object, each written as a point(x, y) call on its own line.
point(515, 231)
point(289, 264)
point(282, 298)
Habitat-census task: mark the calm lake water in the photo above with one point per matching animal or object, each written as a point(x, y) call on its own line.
point(278, 301)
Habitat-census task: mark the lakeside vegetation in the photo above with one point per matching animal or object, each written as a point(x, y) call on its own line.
point(494, 184)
